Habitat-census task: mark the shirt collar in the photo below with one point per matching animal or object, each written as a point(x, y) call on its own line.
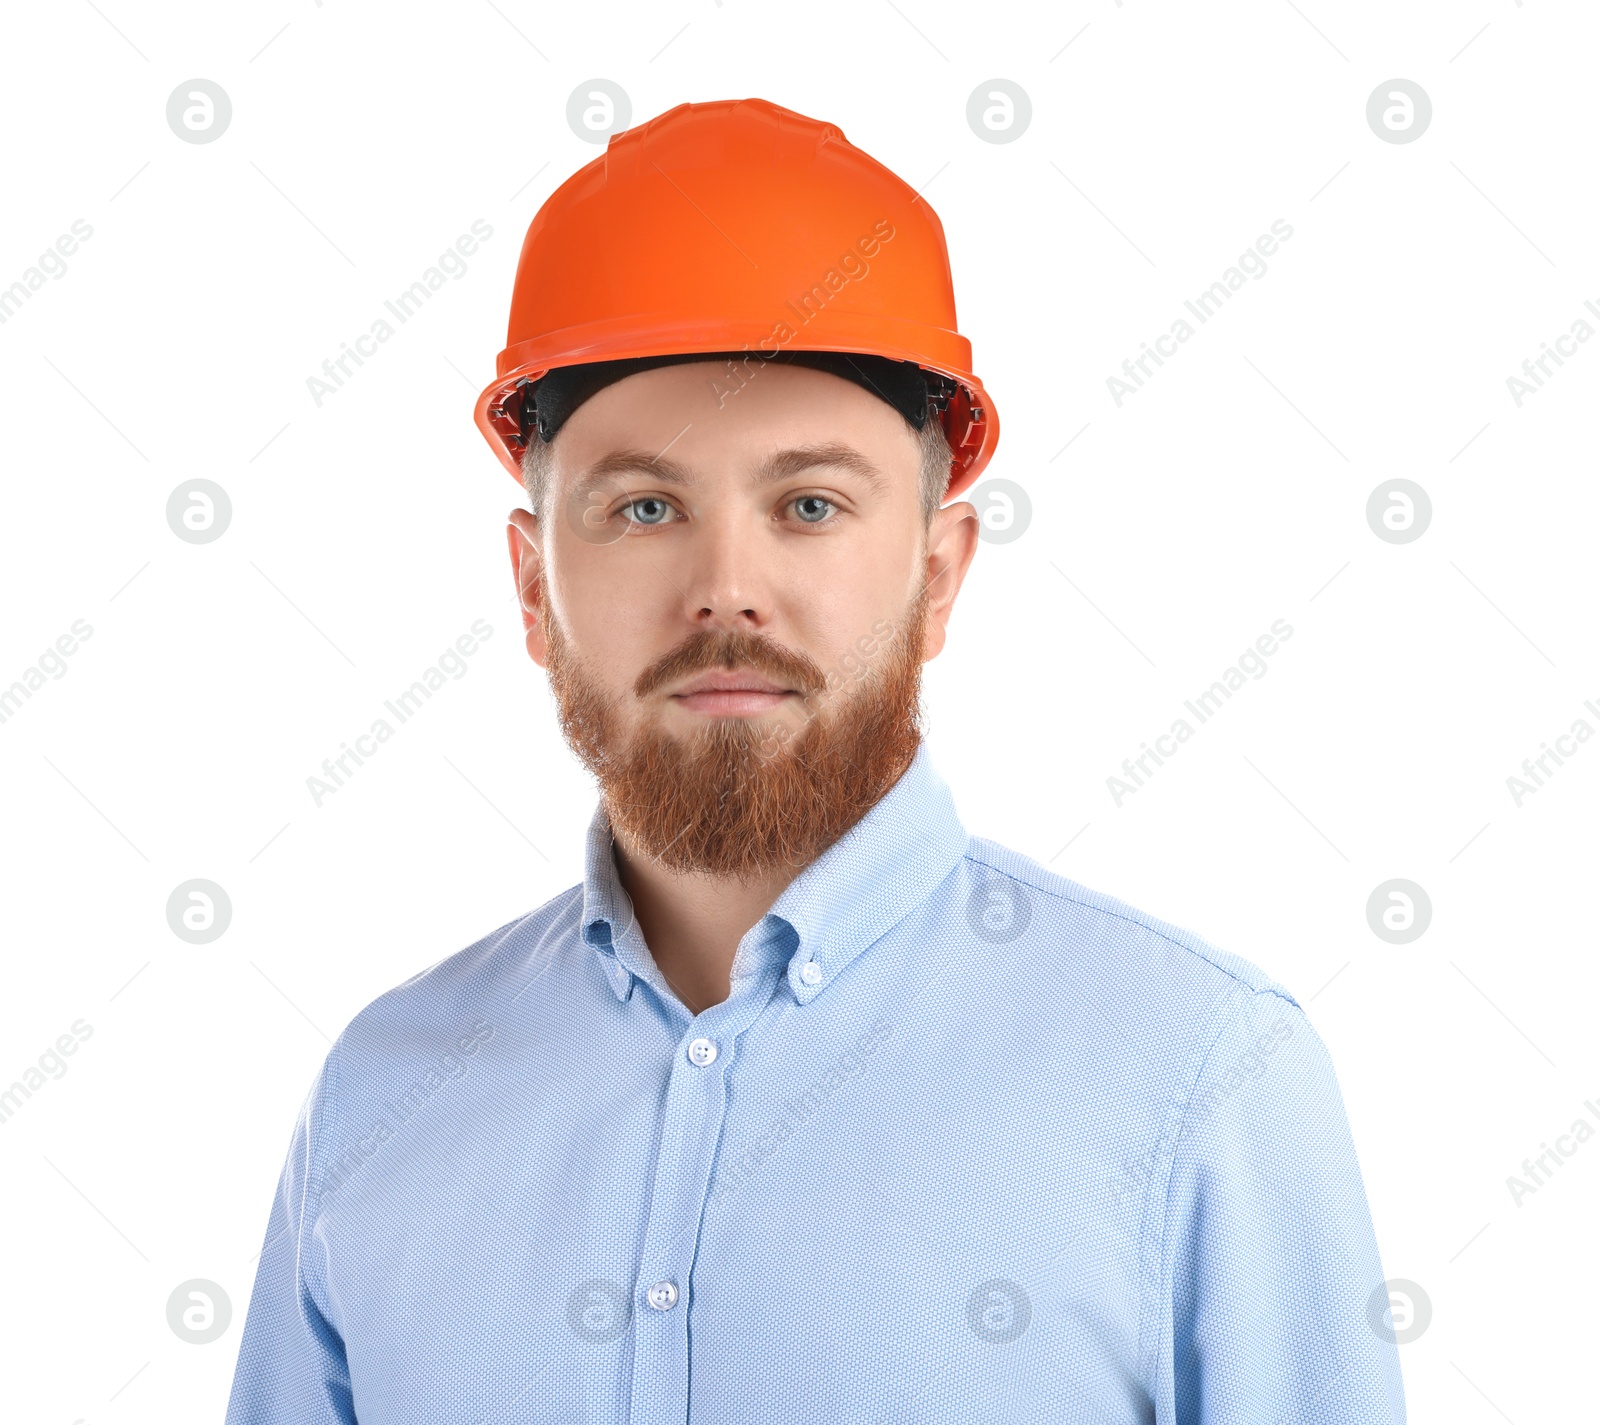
point(862, 886)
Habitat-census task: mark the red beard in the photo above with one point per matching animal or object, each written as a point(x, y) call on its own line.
point(743, 797)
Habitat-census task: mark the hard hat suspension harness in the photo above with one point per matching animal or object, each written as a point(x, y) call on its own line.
point(914, 391)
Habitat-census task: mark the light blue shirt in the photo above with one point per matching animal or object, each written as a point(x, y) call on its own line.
point(967, 1142)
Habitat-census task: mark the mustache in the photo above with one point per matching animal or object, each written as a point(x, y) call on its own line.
point(713, 648)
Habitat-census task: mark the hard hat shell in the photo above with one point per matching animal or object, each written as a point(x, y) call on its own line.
point(729, 226)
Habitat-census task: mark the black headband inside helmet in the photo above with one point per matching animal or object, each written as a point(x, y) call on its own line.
point(909, 388)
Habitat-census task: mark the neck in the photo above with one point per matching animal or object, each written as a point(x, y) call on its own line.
point(693, 923)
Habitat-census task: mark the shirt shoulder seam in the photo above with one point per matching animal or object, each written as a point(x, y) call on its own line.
point(1155, 1229)
point(324, 1104)
point(1196, 945)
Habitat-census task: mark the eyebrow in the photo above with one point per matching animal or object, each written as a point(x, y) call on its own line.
point(781, 465)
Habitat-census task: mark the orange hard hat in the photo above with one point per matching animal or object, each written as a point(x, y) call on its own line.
point(731, 226)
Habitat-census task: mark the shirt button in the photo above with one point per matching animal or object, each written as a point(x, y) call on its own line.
point(701, 1053)
point(663, 1296)
point(811, 972)
point(620, 976)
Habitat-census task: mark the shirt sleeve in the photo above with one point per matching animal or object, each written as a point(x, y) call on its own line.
point(292, 1368)
point(1269, 1263)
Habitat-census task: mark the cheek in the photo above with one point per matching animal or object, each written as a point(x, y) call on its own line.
point(597, 626)
point(840, 621)
point(609, 661)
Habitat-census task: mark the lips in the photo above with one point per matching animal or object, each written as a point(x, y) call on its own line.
point(723, 681)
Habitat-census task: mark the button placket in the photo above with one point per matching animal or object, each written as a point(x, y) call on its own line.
point(693, 1110)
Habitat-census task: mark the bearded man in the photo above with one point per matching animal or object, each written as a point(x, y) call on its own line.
point(806, 1104)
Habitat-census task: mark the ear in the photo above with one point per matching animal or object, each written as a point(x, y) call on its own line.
point(522, 535)
point(952, 541)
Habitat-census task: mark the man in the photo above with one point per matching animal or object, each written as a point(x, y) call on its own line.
point(806, 1105)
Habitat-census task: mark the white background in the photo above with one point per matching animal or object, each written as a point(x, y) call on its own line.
point(1230, 491)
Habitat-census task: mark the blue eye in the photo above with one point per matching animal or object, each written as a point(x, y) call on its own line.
point(646, 510)
point(813, 508)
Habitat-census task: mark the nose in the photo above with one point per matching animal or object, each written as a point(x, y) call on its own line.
point(727, 584)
